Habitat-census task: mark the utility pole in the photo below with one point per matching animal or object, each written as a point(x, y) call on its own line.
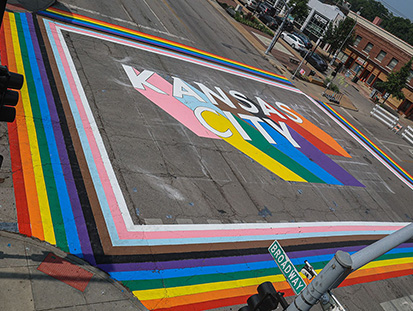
point(342, 265)
point(279, 30)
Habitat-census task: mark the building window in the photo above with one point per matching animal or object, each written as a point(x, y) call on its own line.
point(370, 79)
point(368, 47)
point(410, 77)
point(381, 55)
point(393, 63)
point(357, 41)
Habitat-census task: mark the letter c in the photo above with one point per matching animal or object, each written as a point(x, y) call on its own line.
point(198, 114)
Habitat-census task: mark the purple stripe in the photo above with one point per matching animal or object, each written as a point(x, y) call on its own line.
point(61, 147)
point(324, 161)
point(221, 261)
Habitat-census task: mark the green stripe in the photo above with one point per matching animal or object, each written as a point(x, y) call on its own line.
point(54, 204)
point(136, 285)
point(199, 279)
point(259, 141)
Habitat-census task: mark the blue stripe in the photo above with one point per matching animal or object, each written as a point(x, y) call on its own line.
point(67, 213)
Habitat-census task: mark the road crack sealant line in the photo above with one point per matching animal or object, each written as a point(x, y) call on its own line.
point(229, 260)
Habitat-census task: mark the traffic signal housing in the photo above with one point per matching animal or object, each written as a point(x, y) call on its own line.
point(267, 299)
point(9, 81)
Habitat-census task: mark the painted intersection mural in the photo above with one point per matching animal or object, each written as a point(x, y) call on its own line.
point(67, 191)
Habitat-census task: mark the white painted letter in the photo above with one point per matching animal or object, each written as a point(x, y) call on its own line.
point(198, 113)
point(211, 94)
point(244, 100)
point(268, 109)
point(256, 122)
point(283, 131)
point(139, 81)
point(181, 88)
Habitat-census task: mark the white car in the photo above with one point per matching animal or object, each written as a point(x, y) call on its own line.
point(293, 40)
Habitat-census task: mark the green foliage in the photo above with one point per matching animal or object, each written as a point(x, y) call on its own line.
point(253, 22)
point(396, 81)
point(300, 9)
point(339, 34)
point(398, 26)
point(332, 86)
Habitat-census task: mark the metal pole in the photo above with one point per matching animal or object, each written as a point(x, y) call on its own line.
point(381, 247)
point(305, 57)
point(338, 266)
point(348, 36)
point(279, 30)
point(343, 264)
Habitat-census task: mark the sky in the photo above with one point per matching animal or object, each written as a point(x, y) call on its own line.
point(402, 8)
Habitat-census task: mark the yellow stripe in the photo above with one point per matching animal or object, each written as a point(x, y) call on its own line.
point(221, 124)
point(160, 293)
point(389, 262)
point(151, 294)
point(49, 235)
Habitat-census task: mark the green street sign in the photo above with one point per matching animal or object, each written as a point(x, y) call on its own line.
point(287, 268)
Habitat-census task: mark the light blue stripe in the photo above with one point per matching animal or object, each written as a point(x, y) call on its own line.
point(84, 142)
point(67, 213)
point(207, 240)
point(248, 266)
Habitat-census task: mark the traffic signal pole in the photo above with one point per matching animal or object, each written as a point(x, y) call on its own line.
point(342, 264)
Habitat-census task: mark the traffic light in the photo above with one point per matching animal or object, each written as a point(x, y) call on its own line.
point(9, 98)
point(267, 299)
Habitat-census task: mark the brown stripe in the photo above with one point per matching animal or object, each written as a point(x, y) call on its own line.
point(140, 250)
point(91, 193)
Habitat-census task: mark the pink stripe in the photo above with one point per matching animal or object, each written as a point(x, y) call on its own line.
point(154, 235)
point(176, 56)
point(173, 106)
point(114, 208)
point(104, 179)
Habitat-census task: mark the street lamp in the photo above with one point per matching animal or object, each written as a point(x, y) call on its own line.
point(279, 30)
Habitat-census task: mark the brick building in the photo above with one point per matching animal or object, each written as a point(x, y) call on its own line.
point(374, 54)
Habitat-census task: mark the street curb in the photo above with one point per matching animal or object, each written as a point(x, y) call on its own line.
point(77, 261)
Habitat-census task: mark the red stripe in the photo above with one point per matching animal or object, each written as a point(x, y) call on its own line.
point(220, 303)
point(23, 219)
point(376, 277)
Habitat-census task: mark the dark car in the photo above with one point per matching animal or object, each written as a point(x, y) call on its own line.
point(287, 25)
point(269, 21)
point(304, 38)
point(265, 8)
point(315, 60)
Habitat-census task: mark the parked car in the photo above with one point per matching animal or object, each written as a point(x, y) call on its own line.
point(252, 4)
point(304, 38)
point(315, 60)
point(269, 21)
point(230, 10)
point(292, 40)
point(288, 26)
point(265, 8)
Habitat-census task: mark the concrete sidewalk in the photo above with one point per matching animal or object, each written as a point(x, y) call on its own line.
point(37, 276)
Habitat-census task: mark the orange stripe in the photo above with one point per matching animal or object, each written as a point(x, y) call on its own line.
point(204, 297)
point(23, 219)
point(357, 277)
point(380, 270)
point(25, 153)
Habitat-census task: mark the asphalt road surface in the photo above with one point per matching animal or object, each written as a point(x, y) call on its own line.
point(149, 111)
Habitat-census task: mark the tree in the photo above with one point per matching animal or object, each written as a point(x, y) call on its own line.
point(300, 8)
point(396, 81)
point(340, 35)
